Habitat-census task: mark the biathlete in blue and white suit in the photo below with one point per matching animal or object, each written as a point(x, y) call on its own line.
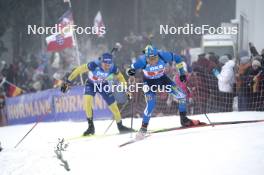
point(153, 64)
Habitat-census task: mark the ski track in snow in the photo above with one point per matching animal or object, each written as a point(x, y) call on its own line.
point(224, 150)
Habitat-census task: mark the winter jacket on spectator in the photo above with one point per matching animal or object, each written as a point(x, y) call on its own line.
point(255, 81)
point(262, 58)
point(226, 78)
point(256, 54)
point(243, 72)
point(242, 88)
point(253, 50)
point(200, 65)
point(255, 78)
point(199, 91)
point(203, 65)
point(203, 84)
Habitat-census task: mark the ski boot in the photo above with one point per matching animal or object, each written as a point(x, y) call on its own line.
point(123, 129)
point(90, 130)
point(186, 122)
point(142, 132)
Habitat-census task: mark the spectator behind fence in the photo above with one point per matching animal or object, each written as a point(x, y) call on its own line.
point(256, 82)
point(253, 49)
point(226, 81)
point(199, 83)
point(255, 54)
point(262, 58)
point(223, 60)
point(243, 91)
point(213, 101)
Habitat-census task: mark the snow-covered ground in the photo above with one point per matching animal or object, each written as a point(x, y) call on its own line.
point(223, 150)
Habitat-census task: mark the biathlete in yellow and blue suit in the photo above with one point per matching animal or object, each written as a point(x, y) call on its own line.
point(99, 72)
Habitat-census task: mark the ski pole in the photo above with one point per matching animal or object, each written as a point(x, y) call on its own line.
point(28, 132)
point(189, 89)
point(209, 120)
point(132, 101)
point(132, 115)
point(109, 126)
point(121, 110)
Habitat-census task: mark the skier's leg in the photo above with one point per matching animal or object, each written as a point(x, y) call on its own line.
point(88, 108)
point(181, 96)
point(112, 105)
point(150, 98)
point(88, 103)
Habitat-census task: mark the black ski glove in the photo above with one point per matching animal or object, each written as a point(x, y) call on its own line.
point(183, 78)
point(65, 87)
point(131, 72)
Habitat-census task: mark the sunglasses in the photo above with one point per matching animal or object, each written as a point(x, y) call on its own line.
point(107, 64)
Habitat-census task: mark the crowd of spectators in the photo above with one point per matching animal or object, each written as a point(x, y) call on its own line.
point(215, 83)
point(36, 72)
point(27, 73)
point(223, 85)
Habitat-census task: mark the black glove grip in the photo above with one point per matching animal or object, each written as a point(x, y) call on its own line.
point(131, 72)
point(183, 78)
point(64, 87)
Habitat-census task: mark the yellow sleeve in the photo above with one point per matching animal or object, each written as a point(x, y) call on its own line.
point(121, 78)
point(77, 71)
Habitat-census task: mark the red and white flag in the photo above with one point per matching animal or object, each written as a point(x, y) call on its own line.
point(64, 38)
point(99, 24)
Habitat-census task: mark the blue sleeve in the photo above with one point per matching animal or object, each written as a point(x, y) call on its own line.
point(170, 57)
point(92, 65)
point(177, 58)
point(166, 56)
point(140, 63)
